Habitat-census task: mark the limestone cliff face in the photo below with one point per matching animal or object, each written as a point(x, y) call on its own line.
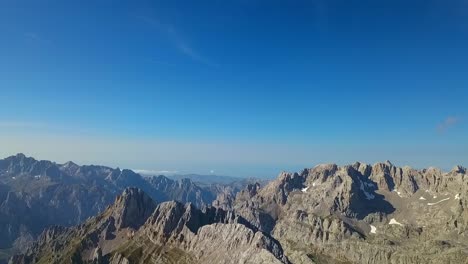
point(132, 208)
point(211, 235)
point(242, 244)
point(314, 229)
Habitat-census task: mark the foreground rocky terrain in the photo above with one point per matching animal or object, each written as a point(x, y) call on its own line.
point(136, 230)
point(357, 213)
point(37, 194)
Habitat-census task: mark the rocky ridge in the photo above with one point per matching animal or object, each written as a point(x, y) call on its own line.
point(172, 233)
point(356, 213)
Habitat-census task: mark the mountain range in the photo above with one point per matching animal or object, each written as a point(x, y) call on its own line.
point(35, 194)
point(357, 213)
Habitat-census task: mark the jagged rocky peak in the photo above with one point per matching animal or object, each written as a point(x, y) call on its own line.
point(363, 168)
point(70, 167)
point(21, 165)
point(211, 234)
point(17, 164)
point(234, 244)
point(326, 168)
point(185, 184)
point(20, 157)
point(132, 208)
point(166, 219)
point(278, 190)
point(382, 174)
point(252, 188)
point(432, 171)
point(170, 218)
point(459, 170)
point(69, 164)
point(382, 167)
point(249, 191)
point(320, 172)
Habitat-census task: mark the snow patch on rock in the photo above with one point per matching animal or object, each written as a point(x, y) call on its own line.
point(373, 229)
point(438, 201)
point(399, 193)
point(369, 196)
point(394, 222)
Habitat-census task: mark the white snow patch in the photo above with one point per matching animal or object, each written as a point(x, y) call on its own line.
point(426, 190)
point(422, 198)
point(304, 189)
point(457, 196)
point(399, 193)
point(438, 201)
point(313, 184)
point(394, 222)
point(37, 176)
point(369, 196)
point(373, 229)
point(14, 178)
point(435, 196)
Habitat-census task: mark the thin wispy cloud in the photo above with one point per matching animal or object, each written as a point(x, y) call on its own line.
point(154, 172)
point(34, 37)
point(31, 35)
point(179, 42)
point(447, 124)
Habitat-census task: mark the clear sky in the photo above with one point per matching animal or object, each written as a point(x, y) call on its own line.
point(242, 87)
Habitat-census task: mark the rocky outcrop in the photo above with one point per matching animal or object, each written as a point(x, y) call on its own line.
point(243, 245)
point(132, 208)
point(210, 235)
point(314, 229)
point(170, 219)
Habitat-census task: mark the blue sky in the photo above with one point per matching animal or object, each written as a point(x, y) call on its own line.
point(243, 88)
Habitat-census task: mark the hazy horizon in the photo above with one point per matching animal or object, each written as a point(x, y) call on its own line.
point(268, 173)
